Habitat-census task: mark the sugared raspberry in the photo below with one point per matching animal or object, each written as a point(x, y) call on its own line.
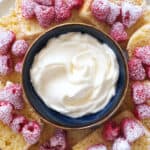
point(58, 141)
point(136, 69)
point(115, 11)
point(62, 11)
point(98, 147)
point(31, 132)
point(147, 69)
point(27, 8)
point(18, 123)
point(19, 48)
point(110, 131)
point(130, 13)
point(13, 93)
point(100, 9)
point(45, 15)
point(6, 110)
point(143, 53)
point(121, 144)
point(142, 111)
point(6, 40)
point(74, 3)
point(131, 129)
point(18, 66)
point(6, 65)
point(118, 32)
point(45, 2)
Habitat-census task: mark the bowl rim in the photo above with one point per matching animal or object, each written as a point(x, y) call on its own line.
point(117, 105)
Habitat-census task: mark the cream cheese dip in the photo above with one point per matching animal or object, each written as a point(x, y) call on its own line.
point(75, 74)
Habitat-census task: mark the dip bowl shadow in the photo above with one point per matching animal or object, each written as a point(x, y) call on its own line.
point(60, 120)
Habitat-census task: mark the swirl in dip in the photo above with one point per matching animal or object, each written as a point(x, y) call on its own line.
point(75, 74)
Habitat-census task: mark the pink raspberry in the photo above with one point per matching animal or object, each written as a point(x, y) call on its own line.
point(45, 2)
point(18, 123)
point(74, 3)
point(130, 14)
point(136, 69)
point(115, 11)
point(143, 53)
point(62, 11)
point(31, 132)
point(100, 9)
point(58, 141)
point(142, 111)
point(131, 129)
point(6, 65)
point(19, 48)
point(6, 110)
point(28, 9)
point(18, 66)
point(98, 147)
point(6, 40)
point(118, 32)
point(121, 144)
point(147, 69)
point(111, 131)
point(13, 93)
point(45, 15)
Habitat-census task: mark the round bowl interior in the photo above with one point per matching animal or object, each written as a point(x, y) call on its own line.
point(56, 118)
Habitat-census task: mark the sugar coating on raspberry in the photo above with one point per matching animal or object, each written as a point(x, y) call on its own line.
point(100, 9)
point(142, 111)
point(131, 129)
point(31, 132)
point(45, 15)
point(13, 93)
point(18, 123)
point(118, 32)
point(121, 144)
point(45, 2)
point(136, 69)
point(19, 48)
point(98, 147)
point(62, 11)
point(115, 11)
point(6, 40)
point(130, 13)
point(27, 8)
point(6, 65)
point(143, 53)
point(18, 66)
point(110, 131)
point(74, 3)
point(6, 110)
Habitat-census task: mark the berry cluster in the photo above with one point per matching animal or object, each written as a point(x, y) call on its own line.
point(119, 17)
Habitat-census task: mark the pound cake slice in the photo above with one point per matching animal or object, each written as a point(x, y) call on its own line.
point(96, 137)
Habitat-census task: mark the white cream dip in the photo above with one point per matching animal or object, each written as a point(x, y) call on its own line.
point(75, 74)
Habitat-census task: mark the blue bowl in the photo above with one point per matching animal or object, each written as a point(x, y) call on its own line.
point(61, 120)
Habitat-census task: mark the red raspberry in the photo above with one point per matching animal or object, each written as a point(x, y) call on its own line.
point(136, 69)
point(74, 3)
point(147, 69)
point(19, 48)
point(142, 111)
point(28, 9)
point(118, 32)
point(100, 9)
point(62, 11)
point(143, 53)
point(6, 110)
point(18, 123)
point(121, 144)
point(18, 66)
point(6, 65)
point(110, 131)
point(31, 132)
point(6, 40)
point(45, 2)
point(98, 147)
point(131, 129)
point(130, 14)
point(13, 93)
point(115, 11)
point(58, 141)
point(45, 15)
